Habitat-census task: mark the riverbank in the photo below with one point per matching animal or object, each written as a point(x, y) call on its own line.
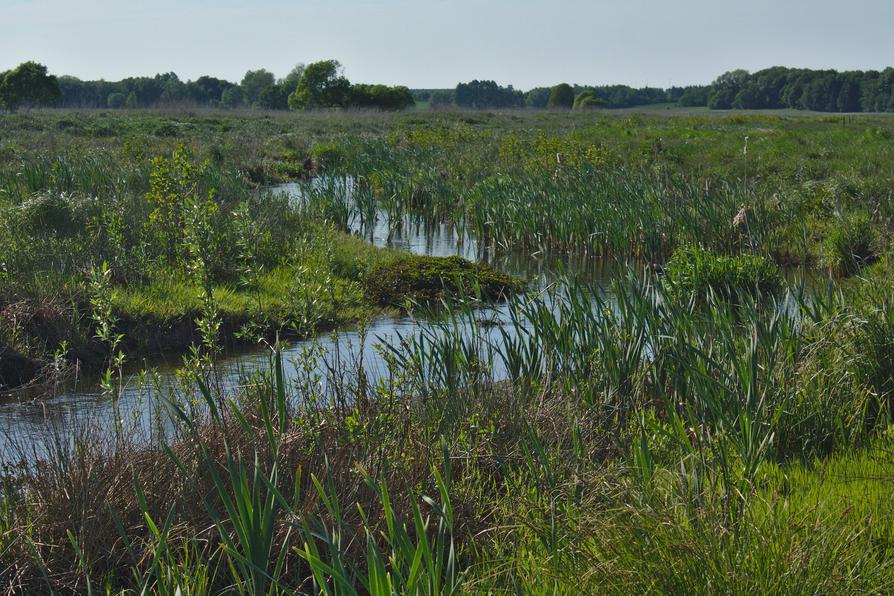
point(290, 302)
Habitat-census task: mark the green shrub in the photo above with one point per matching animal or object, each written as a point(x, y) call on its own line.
point(53, 213)
point(426, 279)
point(695, 271)
point(166, 129)
point(850, 244)
point(587, 100)
point(326, 156)
point(561, 97)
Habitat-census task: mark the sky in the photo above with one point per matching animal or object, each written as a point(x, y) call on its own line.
point(438, 43)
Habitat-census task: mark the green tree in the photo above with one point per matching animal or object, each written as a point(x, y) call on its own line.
point(725, 89)
point(696, 95)
point(28, 85)
point(291, 80)
point(322, 85)
point(587, 100)
point(538, 97)
point(232, 97)
point(274, 97)
point(116, 100)
point(487, 94)
point(254, 82)
point(173, 192)
point(561, 97)
point(381, 97)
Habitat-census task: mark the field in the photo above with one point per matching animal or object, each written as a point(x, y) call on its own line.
point(714, 424)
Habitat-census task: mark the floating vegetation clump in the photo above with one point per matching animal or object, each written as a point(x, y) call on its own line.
point(430, 279)
point(694, 272)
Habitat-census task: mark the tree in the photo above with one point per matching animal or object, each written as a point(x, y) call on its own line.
point(694, 96)
point(441, 98)
point(487, 94)
point(725, 89)
point(274, 97)
point(291, 80)
point(538, 97)
point(849, 97)
point(322, 85)
point(77, 93)
point(821, 92)
point(587, 100)
point(382, 97)
point(561, 97)
point(232, 97)
point(254, 82)
point(764, 89)
point(207, 90)
point(28, 85)
point(172, 88)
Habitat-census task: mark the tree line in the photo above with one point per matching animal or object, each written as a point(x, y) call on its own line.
point(323, 85)
point(488, 94)
point(772, 88)
point(803, 89)
point(317, 85)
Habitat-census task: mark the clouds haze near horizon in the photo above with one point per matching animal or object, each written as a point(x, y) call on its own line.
point(438, 43)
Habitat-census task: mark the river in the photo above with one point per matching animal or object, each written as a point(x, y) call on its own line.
point(30, 428)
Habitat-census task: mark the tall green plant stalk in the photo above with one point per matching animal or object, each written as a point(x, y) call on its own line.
point(248, 505)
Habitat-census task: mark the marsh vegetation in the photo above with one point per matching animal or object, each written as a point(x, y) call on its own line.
point(712, 423)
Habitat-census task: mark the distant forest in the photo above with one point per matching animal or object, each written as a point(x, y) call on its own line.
point(322, 85)
point(772, 88)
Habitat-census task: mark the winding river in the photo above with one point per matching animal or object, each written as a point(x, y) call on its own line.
point(30, 428)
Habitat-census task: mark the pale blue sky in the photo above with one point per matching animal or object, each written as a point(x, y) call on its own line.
point(437, 43)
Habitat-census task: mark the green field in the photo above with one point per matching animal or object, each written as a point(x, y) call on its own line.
point(711, 428)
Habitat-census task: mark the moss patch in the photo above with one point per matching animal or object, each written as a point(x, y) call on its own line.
point(427, 279)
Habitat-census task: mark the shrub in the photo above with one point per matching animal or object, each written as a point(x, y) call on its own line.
point(326, 156)
point(116, 100)
point(52, 213)
point(850, 245)
point(426, 279)
point(587, 100)
point(561, 97)
point(695, 271)
point(167, 129)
